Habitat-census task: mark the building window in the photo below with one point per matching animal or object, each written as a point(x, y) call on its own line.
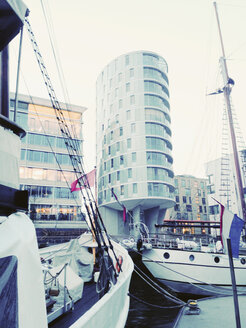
point(112, 135)
point(214, 209)
point(156, 115)
point(121, 160)
point(105, 166)
point(134, 188)
point(133, 127)
point(120, 103)
point(177, 207)
point(156, 143)
point(109, 150)
point(116, 92)
point(187, 192)
point(183, 184)
point(211, 179)
point(118, 175)
point(200, 209)
point(155, 173)
point(184, 199)
point(211, 189)
point(129, 143)
point(158, 189)
point(118, 146)
point(204, 201)
point(188, 208)
point(132, 99)
point(127, 87)
point(122, 190)
point(131, 72)
point(177, 199)
point(112, 162)
point(121, 131)
point(127, 60)
point(134, 157)
point(128, 115)
point(109, 178)
point(119, 77)
point(117, 118)
point(129, 173)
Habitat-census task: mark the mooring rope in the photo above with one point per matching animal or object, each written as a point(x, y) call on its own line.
point(223, 291)
point(155, 305)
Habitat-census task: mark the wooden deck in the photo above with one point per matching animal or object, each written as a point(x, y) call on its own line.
point(89, 298)
point(215, 312)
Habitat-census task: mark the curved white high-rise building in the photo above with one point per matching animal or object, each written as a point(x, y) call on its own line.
point(134, 148)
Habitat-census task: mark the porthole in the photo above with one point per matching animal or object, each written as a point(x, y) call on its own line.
point(243, 261)
point(191, 257)
point(166, 255)
point(216, 259)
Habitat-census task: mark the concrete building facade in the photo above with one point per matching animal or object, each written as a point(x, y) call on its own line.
point(134, 148)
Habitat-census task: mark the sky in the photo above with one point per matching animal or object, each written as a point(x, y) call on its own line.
point(90, 34)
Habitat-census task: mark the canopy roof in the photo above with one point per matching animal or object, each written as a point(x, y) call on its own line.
point(12, 18)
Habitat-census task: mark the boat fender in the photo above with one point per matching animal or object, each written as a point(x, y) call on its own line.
point(119, 263)
point(54, 289)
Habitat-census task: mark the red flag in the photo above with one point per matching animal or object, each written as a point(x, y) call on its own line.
point(124, 214)
point(124, 209)
point(89, 181)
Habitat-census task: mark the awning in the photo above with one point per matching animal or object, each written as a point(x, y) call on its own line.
point(12, 16)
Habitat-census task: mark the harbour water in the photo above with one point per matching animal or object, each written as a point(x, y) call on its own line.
point(148, 307)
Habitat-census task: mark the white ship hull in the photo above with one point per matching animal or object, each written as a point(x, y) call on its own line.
point(25, 280)
point(112, 309)
point(192, 272)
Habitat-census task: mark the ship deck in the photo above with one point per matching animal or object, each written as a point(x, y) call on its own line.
point(89, 298)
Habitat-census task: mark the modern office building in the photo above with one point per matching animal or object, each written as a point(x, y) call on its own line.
point(134, 148)
point(191, 203)
point(45, 167)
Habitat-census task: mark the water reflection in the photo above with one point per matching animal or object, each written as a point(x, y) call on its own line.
point(141, 313)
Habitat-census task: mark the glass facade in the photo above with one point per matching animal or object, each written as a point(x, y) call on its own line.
point(45, 166)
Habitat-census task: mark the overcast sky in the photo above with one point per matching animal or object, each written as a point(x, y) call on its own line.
point(90, 34)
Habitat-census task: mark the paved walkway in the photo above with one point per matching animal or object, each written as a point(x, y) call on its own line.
point(215, 312)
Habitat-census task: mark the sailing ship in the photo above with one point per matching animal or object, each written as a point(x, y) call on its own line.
point(83, 283)
point(193, 270)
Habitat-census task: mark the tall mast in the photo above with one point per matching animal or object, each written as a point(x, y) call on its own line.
point(227, 91)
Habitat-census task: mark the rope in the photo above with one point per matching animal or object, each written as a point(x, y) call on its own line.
point(159, 289)
point(226, 292)
point(94, 216)
point(154, 305)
